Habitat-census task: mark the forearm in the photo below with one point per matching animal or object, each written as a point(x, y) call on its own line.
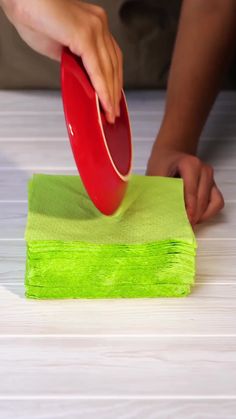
point(204, 45)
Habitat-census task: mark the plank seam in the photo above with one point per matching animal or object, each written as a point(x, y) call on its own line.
point(114, 397)
point(116, 336)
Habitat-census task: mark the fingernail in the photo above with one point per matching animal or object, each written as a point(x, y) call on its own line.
point(111, 118)
point(112, 113)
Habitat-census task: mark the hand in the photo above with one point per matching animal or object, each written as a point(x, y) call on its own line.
point(203, 199)
point(48, 25)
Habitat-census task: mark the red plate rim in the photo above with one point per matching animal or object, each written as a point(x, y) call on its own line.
point(126, 177)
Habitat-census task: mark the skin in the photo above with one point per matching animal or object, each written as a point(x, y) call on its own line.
point(48, 25)
point(204, 44)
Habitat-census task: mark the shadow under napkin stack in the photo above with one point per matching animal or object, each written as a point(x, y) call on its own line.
point(147, 249)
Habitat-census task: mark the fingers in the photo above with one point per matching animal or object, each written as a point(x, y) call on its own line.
point(202, 197)
point(110, 65)
point(189, 169)
point(119, 73)
point(205, 185)
point(112, 62)
point(109, 57)
point(93, 66)
point(216, 203)
point(98, 65)
point(108, 73)
point(115, 81)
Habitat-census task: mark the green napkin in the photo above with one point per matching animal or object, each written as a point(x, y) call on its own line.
point(147, 249)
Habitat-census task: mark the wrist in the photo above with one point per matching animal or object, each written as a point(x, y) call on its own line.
point(179, 142)
point(163, 147)
point(177, 133)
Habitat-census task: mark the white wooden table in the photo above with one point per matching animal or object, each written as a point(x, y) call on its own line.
point(157, 358)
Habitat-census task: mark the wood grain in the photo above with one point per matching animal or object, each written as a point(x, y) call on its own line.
point(51, 154)
point(117, 409)
point(209, 313)
point(97, 367)
point(44, 115)
point(144, 125)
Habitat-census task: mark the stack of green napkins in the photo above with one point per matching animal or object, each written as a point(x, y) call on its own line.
point(147, 249)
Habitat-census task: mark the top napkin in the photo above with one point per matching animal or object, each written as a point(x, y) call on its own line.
point(153, 210)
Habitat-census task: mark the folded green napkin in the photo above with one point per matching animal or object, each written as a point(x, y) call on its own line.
point(147, 249)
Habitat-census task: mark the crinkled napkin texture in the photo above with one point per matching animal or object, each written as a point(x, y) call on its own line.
point(147, 249)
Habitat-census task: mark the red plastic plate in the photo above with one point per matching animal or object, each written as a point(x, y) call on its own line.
point(102, 151)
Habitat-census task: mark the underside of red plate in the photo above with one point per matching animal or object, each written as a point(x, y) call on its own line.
point(102, 151)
